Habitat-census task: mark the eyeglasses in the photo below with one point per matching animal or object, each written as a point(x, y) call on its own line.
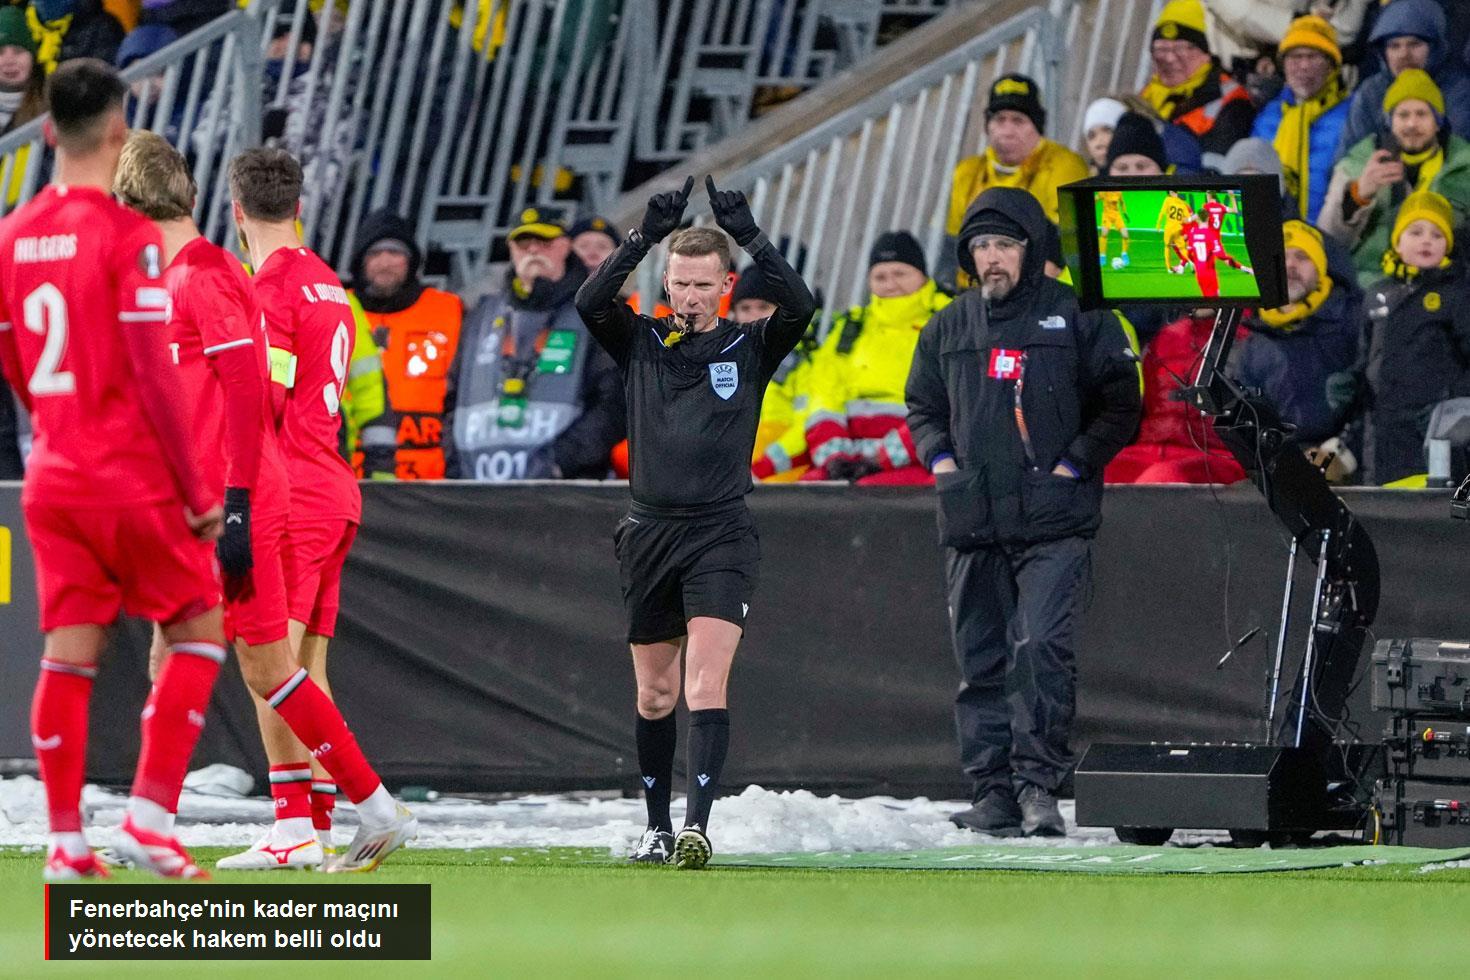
point(1001, 243)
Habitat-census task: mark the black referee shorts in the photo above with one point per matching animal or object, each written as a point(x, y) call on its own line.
point(677, 566)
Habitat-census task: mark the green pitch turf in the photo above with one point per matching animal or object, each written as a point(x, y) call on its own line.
point(576, 913)
point(1147, 278)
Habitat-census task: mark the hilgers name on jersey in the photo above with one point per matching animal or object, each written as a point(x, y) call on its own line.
point(325, 293)
point(50, 248)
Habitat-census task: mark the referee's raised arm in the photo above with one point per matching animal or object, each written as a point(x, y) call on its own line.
point(608, 319)
point(794, 302)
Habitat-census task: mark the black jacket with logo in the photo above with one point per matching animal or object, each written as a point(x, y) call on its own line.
point(1414, 353)
point(694, 403)
point(1078, 398)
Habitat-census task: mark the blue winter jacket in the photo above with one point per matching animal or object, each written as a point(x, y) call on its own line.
point(1321, 154)
point(1421, 18)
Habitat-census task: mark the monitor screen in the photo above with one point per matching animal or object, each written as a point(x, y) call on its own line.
point(1165, 240)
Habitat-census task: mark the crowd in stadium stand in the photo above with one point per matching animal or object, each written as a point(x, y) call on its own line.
point(1360, 107)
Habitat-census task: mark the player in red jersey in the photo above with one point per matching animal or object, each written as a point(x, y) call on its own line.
point(117, 512)
point(310, 326)
point(1201, 247)
point(1214, 211)
point(218, 346)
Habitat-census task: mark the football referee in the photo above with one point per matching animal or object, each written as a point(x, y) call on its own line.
point(688, 549)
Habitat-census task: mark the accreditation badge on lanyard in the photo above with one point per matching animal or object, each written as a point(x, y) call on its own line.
point(1005, 365)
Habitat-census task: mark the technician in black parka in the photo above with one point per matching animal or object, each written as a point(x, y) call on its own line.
point(688, 548)
point(1017, 400)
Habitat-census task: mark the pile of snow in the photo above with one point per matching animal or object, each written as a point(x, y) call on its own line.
point(757, 821)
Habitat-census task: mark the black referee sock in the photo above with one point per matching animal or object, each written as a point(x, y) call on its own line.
point(709, 738)
point(657, 739)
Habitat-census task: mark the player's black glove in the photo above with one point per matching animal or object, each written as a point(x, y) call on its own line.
point(732, 213)
point(664, 213)
point(233, 547)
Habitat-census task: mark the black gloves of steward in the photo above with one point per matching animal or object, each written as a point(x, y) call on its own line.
point(665, 212)
point(233, 548)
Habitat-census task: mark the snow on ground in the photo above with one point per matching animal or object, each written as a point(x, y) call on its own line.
point(755, 821)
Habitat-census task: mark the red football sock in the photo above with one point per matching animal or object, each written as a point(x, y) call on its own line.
point(59, 734)
point(173, 720)
point(291, 790)
point(323, 802)
point(313, 718)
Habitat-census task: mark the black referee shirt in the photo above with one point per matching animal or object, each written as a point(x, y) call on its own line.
point(693, 407)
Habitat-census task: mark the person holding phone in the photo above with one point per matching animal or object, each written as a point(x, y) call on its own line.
point(1419, 153)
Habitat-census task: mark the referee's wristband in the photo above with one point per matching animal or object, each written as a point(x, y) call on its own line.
point(757, 243)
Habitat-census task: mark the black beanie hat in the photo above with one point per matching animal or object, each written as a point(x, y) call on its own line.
point(898, 246)
point(1136, 134)
point(751, 285)
point(991, 222)
point(1017, 92)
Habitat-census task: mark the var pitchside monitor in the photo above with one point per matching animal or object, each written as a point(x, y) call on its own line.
point(1169, 240)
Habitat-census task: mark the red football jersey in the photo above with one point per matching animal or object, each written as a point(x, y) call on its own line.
point(213, 310)
point(1203, 245)
point(307, 315)
point(76, 270)
point(1214, 213)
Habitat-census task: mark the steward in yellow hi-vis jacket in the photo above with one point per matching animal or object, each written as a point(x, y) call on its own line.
point(855, 424)
point(368, 424)
point(416, 329)
point(780, 439)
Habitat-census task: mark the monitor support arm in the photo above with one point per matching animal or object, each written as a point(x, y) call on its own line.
point(1346, 590)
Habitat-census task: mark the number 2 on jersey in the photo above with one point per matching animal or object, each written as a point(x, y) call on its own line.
point(45, 314)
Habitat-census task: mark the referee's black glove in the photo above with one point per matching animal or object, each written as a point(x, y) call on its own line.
point(732, 213)
point(233, 547)
point(665, 212)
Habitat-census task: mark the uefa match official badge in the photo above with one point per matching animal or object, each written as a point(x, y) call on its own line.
point(724, 377)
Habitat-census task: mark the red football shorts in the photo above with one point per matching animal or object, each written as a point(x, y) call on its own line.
point(255, 603)
point(93, 564)
point(315, 553)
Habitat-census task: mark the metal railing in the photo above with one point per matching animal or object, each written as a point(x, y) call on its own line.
point(886, 162)
point(173, 90)
point(459, 115)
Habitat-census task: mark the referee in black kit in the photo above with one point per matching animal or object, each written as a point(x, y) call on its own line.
point(688, 549)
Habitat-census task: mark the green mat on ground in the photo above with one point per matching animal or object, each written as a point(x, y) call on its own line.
point(1120, 859)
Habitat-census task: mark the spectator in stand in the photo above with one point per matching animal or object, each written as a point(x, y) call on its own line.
point(1305, 122)
point(22, 79)
point(529, 395)
point(1175, 443)
point(22, 90)
point(146, 41)
point(1136, 149)
point(416, 331)
point(185, 15)
point(780, 440)
point(1098, 123)
point(1289, 353)
point(1408, 34)
point(1256, 156)
point(1188, 87)
point(856, 427)
point(90, 32)
point(1253, 25)
point(1414, 351)
point(1380, 172)
point(593, 240)
point(1016, 153)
